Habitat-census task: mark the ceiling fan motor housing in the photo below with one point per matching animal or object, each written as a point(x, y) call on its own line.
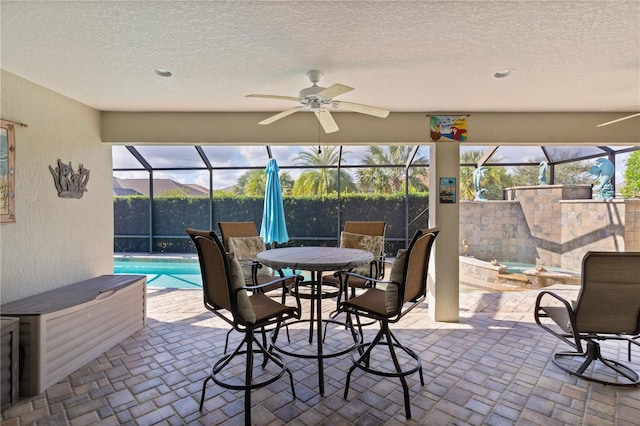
point(314, 76)
point(311, 92)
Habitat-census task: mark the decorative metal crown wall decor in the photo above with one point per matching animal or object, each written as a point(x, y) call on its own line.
point(70, 184)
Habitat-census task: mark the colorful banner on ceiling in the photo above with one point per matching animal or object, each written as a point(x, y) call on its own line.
point(448, 127)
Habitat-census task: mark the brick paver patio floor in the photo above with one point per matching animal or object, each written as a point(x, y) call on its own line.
point(493, 367)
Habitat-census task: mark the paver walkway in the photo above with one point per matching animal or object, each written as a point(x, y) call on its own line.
point(491, 368)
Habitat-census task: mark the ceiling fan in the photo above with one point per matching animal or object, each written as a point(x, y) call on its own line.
point(316, 98)
point(622, 118)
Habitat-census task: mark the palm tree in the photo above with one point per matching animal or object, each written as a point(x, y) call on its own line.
point(254, 182)
point(321, 180)
point(494, 181)
point(391, 179)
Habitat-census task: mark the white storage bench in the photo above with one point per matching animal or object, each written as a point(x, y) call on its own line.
point(63, 329)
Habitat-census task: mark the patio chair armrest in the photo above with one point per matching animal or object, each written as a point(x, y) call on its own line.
point(294, 290)
point(377, 267)
point(286, 289)
point(255, 265)
point(282, 280)
point(381, 266)
point(386, 262)
point(554, 295)
point(374, 281)
point(563, 316)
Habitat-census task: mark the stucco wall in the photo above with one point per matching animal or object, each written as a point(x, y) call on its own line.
point(55, 241)
point(400, 127)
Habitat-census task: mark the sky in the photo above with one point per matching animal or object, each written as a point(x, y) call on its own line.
point(257, 157)
point(220, 156)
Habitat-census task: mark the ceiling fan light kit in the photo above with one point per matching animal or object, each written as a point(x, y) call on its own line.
point(317, 98)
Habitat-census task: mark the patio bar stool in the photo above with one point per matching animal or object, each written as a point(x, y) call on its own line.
point(405, 289)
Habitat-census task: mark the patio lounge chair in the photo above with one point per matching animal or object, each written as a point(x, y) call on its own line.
point(607, 308)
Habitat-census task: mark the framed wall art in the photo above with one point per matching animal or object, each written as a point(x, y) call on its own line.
point(448, 127)
point(7, 171)
point(447, 190)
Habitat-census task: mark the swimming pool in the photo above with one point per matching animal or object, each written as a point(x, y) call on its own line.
point(161, 271)
point(184, 271)
point(165, 271)
point(519, 268)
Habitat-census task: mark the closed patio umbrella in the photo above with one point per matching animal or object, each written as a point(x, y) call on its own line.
point(273, 228)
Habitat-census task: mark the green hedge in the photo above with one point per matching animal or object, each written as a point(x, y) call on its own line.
point(308, 218)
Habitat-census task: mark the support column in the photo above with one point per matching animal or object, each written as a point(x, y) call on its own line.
point(443, 281)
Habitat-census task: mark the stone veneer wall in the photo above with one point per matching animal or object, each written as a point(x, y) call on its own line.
point(590, 225)
point(496, 230)
point(632, 225)
point(553, 225)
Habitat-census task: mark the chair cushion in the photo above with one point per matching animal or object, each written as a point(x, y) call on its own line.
point(265, 307)
point(246, 249)
point(396, 276)
point(371, 243)
point(245, 309)
point(371, 300)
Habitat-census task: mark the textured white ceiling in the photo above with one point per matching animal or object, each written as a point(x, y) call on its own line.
point(431, 56)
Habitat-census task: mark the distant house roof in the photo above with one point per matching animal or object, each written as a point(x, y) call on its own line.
point(141, 187)
point(124, 191)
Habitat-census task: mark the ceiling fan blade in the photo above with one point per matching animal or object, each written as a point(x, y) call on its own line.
point(278, 116)
point(618, 120)
point(287, 98)
point(326, 121)
point(363, 109)
point(335, 90)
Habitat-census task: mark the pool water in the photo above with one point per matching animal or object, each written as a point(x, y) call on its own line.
point(165, 272)
point(519, 268)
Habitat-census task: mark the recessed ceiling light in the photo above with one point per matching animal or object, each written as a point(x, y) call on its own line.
point(503, 73)
point(161, 72)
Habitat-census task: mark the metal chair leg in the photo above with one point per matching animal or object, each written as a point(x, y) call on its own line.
point(249, 377)
point(226, 341)
point(346, 387)
point(361, 359)
point(394, 357)
point(204, 387)
point(591, 355)
point(264, 343)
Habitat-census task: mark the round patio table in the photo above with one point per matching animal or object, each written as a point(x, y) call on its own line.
point(317, 260)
